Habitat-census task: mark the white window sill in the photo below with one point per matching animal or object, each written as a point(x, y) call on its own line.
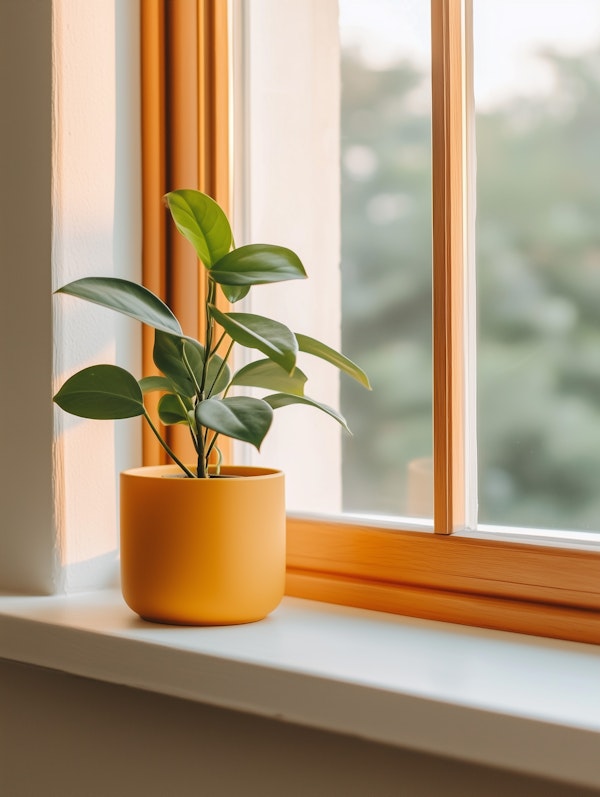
point(527, 704)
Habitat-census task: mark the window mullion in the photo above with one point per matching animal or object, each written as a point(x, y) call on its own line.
point(449, 190)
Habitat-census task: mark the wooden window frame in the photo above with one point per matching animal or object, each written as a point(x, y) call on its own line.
point(448, 574)
point(185, 144)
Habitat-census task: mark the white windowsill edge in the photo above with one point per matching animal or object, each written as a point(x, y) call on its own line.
point(526, 704)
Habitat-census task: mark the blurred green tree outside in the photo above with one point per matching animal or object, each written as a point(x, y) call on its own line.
point(538, 277)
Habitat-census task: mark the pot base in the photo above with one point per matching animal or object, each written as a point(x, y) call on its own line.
point(200, 623)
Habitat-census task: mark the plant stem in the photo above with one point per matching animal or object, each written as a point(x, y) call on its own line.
point(217, 344)
point(191, 426)
point(221, 367)
point(202, 471)
point(212, 445)
point(210, 298)
point(171, 453)
point(188, 368)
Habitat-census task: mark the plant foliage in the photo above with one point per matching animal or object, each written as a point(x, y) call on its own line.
point(196, 378)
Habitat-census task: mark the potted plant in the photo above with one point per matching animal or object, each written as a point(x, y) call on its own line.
point(203, 543)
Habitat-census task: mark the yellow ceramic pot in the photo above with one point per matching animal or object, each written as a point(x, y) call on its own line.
point(202, 551)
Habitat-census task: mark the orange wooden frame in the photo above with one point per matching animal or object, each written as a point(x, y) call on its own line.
point(185, 144)
point(456, 577)
point(472, 580)
point(448, 176)
point(463, 578)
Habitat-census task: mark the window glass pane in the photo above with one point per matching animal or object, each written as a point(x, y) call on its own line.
point(537, 87)
point(386, 254)
point(287, 191)
point(332, 111)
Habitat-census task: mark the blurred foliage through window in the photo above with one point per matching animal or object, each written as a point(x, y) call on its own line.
point(538, 276)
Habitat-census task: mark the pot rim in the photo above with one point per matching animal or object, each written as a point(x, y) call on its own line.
point(233, 471)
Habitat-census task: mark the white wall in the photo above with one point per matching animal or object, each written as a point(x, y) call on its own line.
point(96, 231)
point(27, 532)
point(118, 742)
point(69, 207)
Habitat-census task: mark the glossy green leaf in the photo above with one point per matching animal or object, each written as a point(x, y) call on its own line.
point(318, 349)
point(199, 219)
point(241, 417)
point(277, 400)
point(273, 339)
point(215, 372)
point(270, 376)
point(101, 392)
point(233, 293)
point(125, 297)
point(152, 383)
point(168, 358)
point(171, 410)
point(258, 264)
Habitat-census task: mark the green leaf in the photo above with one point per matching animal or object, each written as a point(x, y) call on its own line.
point(151, 383)
point(273, 339)
point(214, 371)
point(101, 392)
point(318, 349)
point(241, 417)
point(270, 376)
point(125, 297)
point(199, 219)
point(168, 357)
point(258, 264)
point(171, 410)
point(233, 293)
point(277, 400)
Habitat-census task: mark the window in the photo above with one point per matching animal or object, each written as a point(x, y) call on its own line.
point(537, 113)
point(530, 583)
point(386, 259)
